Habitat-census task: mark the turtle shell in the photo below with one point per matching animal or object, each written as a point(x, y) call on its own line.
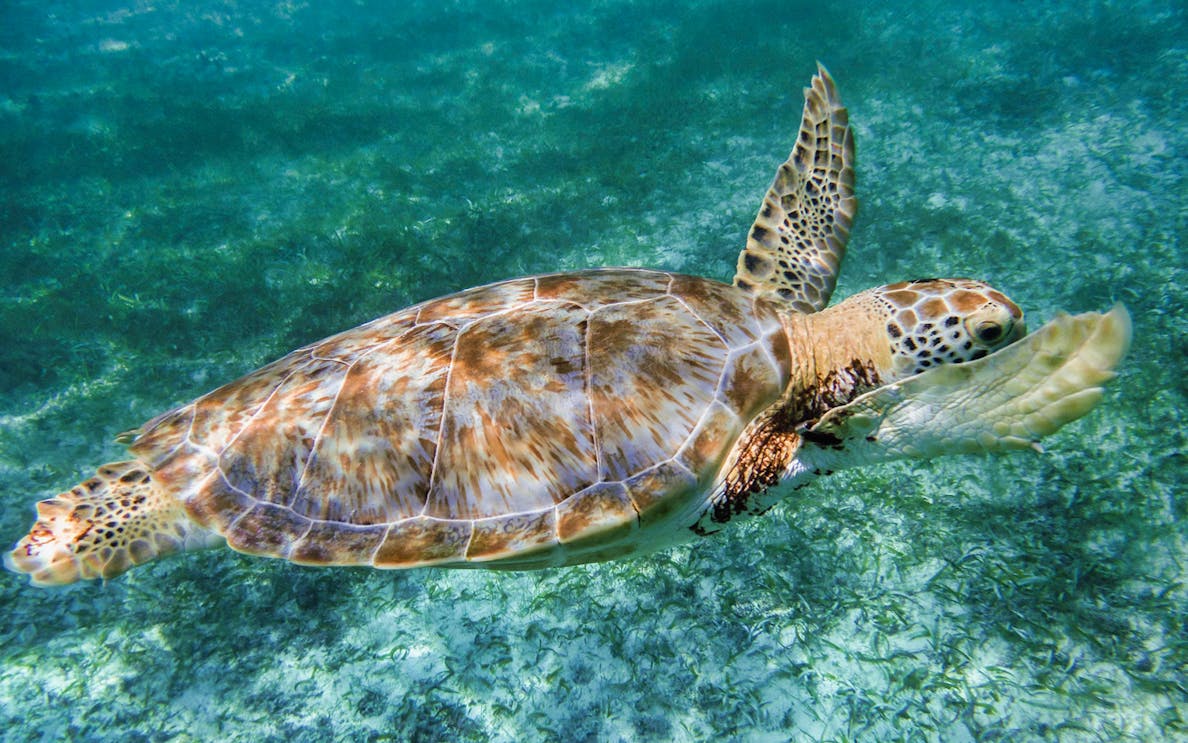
point(540, 421)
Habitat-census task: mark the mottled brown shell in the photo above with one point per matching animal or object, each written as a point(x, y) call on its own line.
point(532, 422)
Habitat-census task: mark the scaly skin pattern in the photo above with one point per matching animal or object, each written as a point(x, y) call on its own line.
point(870, 340)
point(798, 241)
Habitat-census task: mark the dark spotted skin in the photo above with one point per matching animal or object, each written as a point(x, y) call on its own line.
point(947, 321)
point(875, 337)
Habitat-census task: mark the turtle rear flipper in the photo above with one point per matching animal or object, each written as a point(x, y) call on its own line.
point(1005, 401)
point(115, 520)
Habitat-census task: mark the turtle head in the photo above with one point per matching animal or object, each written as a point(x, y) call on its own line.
point(889, 333)
point(930, 322)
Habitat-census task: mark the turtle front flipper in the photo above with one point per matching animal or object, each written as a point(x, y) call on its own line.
point(796, 246)
point(1005, 401)
point(115, 520)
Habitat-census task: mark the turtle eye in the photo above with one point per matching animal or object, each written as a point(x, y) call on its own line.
point(988, 332)
point(989, 326)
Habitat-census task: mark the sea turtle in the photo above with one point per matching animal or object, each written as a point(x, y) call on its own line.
point(578, 417)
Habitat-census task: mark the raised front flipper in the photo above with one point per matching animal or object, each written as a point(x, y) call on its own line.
point(795, 247)
point(1008, 400)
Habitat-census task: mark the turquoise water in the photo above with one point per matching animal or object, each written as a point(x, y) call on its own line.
point(192, 189)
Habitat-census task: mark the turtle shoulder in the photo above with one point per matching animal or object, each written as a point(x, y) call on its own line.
point(675, 382)
point(513, 422)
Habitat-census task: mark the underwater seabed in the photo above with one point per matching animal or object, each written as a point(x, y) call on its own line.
point(189, 190)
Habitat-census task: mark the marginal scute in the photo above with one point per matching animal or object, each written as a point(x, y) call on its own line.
point(518, 534)
point(350, 345)
point(601, 513)
point(659, 492)
point(266, 530)
point(598, 288)
point(330, 543)
point(423, 541)
point(160, 437)
point(476, 303)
